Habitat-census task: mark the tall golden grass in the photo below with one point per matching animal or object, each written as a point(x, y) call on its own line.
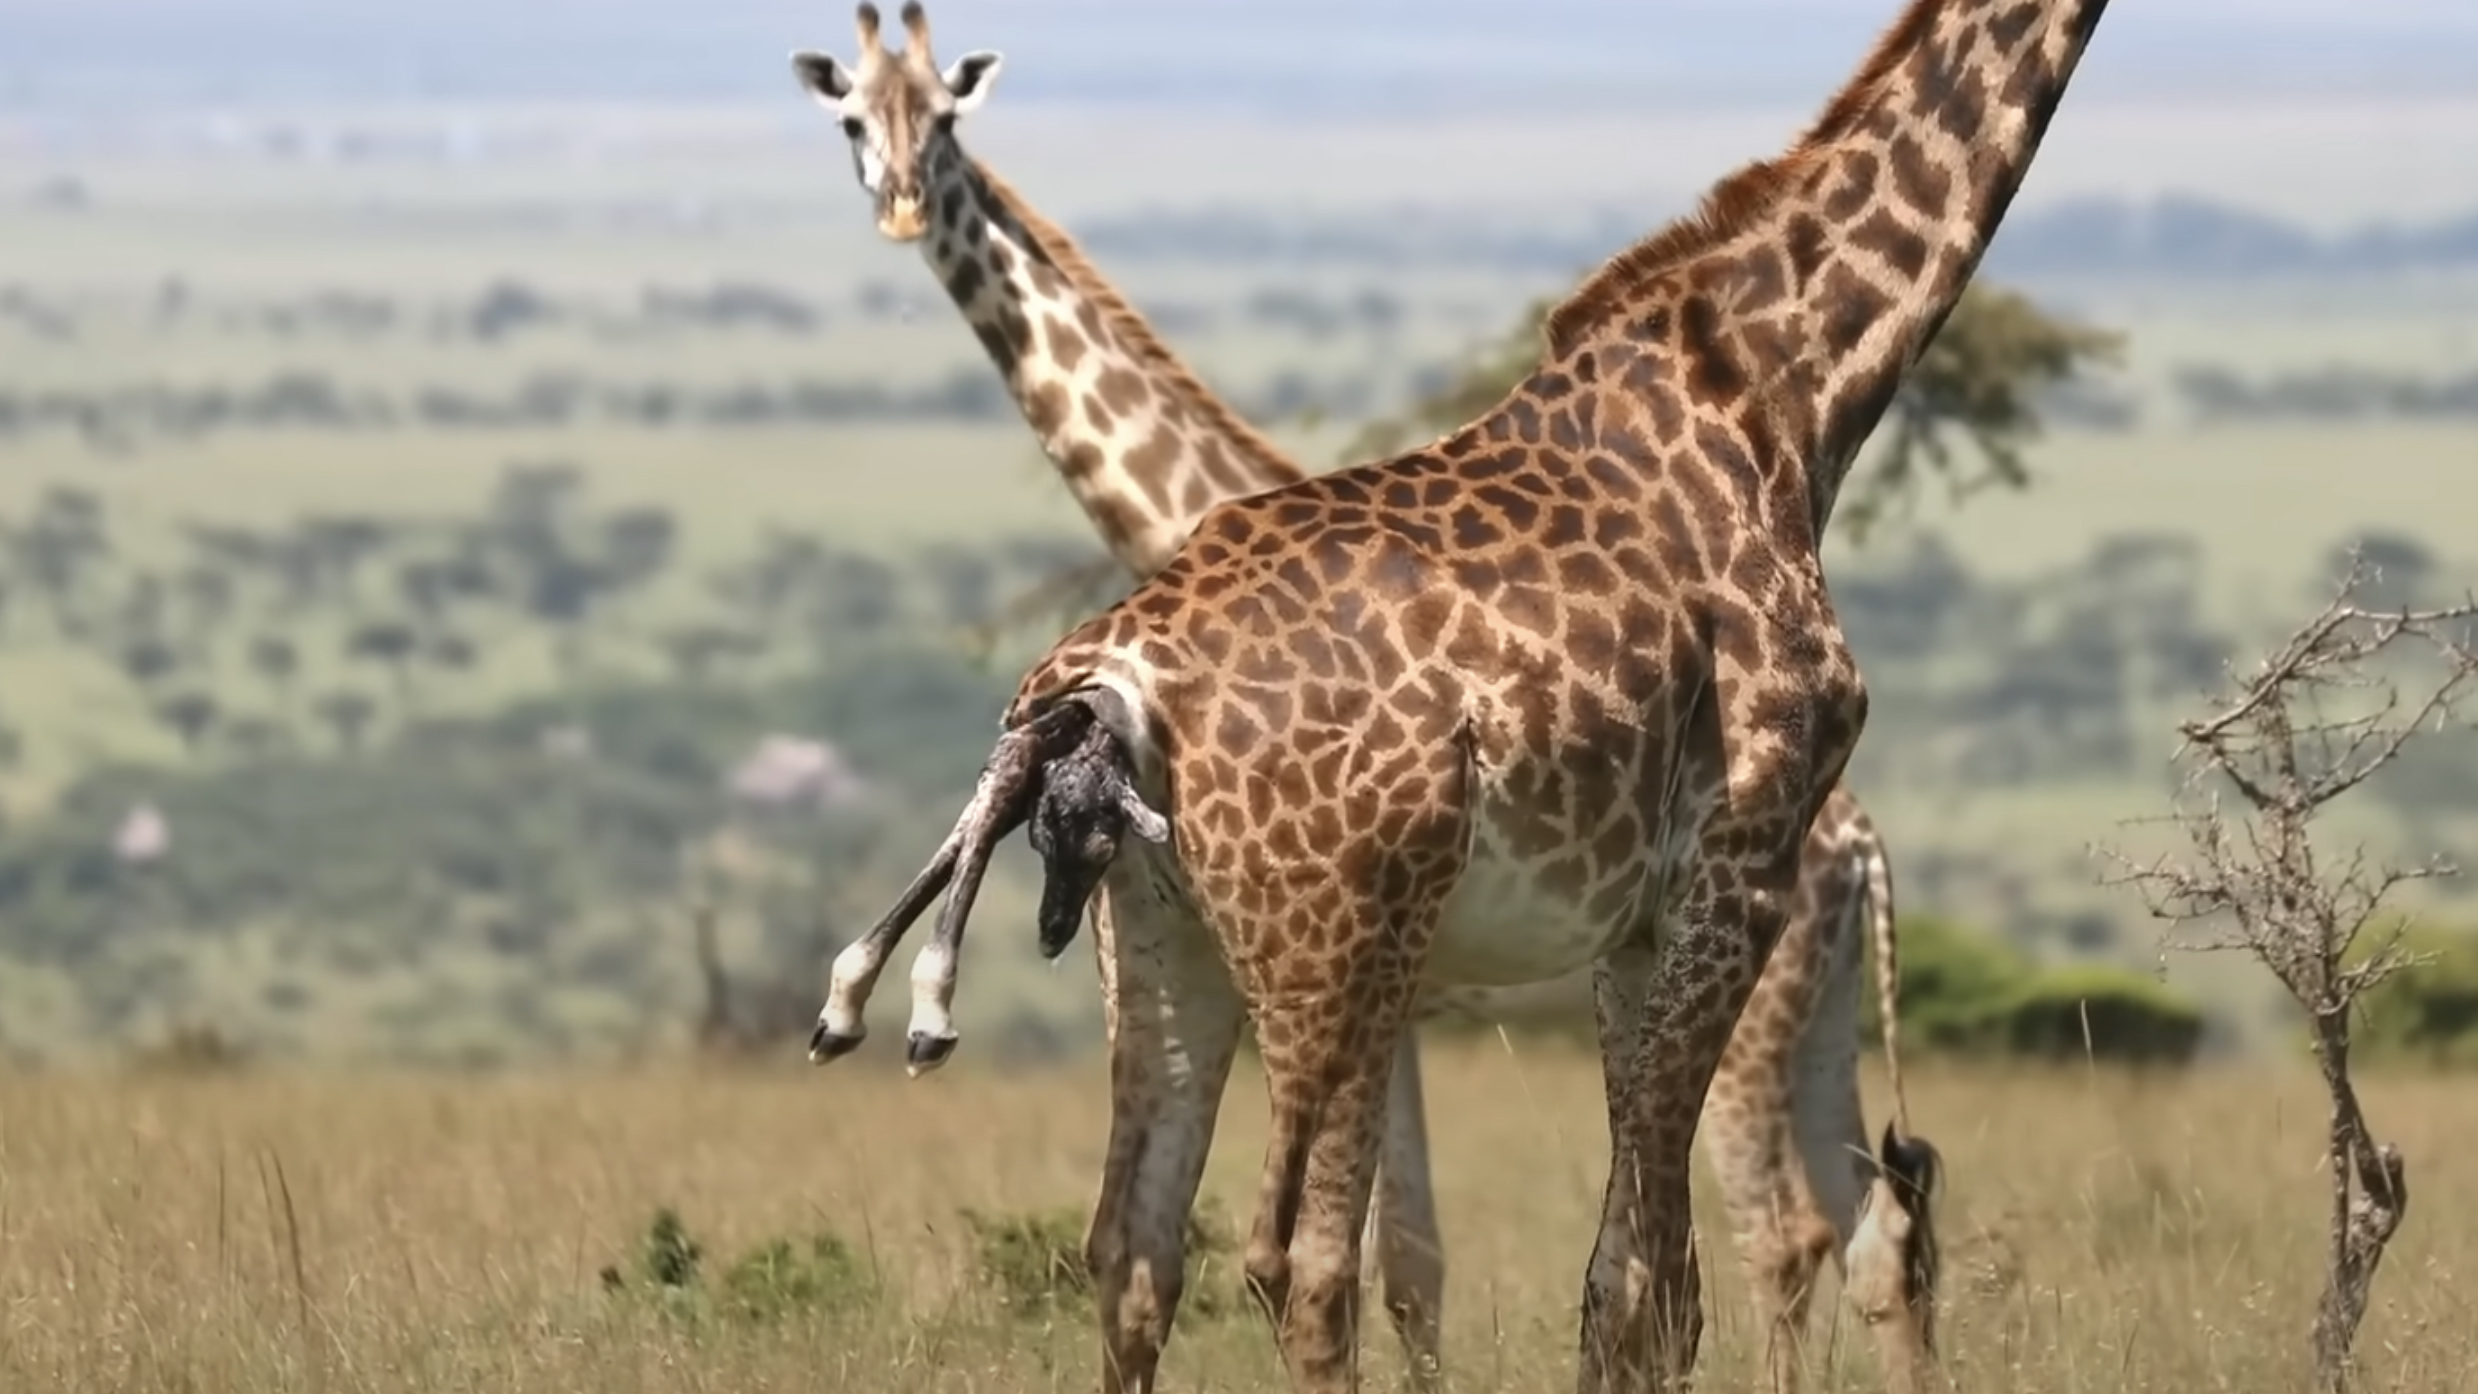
point(315, 1232)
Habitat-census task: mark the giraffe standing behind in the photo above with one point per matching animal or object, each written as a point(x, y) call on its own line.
point(1147, 447)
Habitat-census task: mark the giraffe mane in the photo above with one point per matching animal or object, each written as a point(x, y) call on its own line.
point(1129, 326)
point(1742, 199)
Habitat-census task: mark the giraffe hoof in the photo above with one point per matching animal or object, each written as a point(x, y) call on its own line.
point(923, 1053)
point(825, 1045)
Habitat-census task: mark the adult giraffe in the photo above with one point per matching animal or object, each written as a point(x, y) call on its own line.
point(1147, 447)
point(1575, 660)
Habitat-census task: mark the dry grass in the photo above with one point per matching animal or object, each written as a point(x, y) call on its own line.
point(351, 1232)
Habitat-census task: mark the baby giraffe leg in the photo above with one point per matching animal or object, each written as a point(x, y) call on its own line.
point(1176, 1027)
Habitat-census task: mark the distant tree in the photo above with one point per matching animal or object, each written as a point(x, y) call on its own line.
point(143, 606)
point(450, 652)
point(240, 551)
point(2402, 572)
point(637, 544)
point(348, 715)
point(534, 498)
point(191, 716)
point(427, 588)
point(277, 662)
point(148, 661)
point(966, 584)
point(1980, 379)
point(696, 649)
point(207, 593)
point(341, 545)
point(392, 644)
point(300, 572)
point(60, 548)
point(785, 566)
point(255, 736)
point(854, 593)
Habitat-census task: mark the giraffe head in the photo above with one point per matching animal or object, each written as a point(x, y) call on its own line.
point(1891, 1261)
point(899, 111)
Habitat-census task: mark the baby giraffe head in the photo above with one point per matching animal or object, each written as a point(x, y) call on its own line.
point(899, 111)
point(1891, 1264)
point(1088, 803)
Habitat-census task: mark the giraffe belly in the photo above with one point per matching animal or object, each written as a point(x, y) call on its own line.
point(1513, 919)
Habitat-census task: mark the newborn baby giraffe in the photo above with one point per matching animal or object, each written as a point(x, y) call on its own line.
point(1088, 802)
point(1067, 774)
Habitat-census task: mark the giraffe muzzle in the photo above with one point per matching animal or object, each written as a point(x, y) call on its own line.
point(900, 218)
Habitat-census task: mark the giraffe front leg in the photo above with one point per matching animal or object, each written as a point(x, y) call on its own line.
point(1175, 1025)
point(1666, 1015)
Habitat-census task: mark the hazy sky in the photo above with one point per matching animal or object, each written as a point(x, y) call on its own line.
point(1382, 54)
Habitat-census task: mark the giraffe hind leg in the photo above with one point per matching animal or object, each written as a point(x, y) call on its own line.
point(1328, 1094)
point(1175, 1031)
point(1758, 1134)
point(1402, 1234)
point(1667, 1005)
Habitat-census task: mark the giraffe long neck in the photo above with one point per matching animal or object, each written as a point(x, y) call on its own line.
point(1144, 446)
point(1911, 169)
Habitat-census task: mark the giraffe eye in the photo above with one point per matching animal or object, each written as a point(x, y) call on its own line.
point(851, 127)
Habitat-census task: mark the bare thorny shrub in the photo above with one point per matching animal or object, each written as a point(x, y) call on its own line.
point(2337, 701)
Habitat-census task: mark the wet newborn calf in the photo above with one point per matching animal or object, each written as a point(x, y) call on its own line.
point(1068, 776)
point(1088, 801)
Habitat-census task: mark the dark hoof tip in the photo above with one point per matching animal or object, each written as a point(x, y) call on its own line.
point(922, 1054)
point(825, 1045)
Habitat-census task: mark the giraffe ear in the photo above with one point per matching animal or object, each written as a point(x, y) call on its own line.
point(1142, 821)
point(826, 78)
point(969, 78)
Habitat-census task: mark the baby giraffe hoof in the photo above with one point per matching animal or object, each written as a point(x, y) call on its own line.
point(923, 1053)
point(825, 1045)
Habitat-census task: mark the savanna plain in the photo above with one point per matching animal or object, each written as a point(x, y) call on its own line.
point(303, 1231)
point(426, 544)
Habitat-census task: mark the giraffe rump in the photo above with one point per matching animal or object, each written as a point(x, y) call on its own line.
point(1063, 771)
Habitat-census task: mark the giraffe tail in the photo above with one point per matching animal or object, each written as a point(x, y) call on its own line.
point(1908, 1165)
point(1881, 935)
